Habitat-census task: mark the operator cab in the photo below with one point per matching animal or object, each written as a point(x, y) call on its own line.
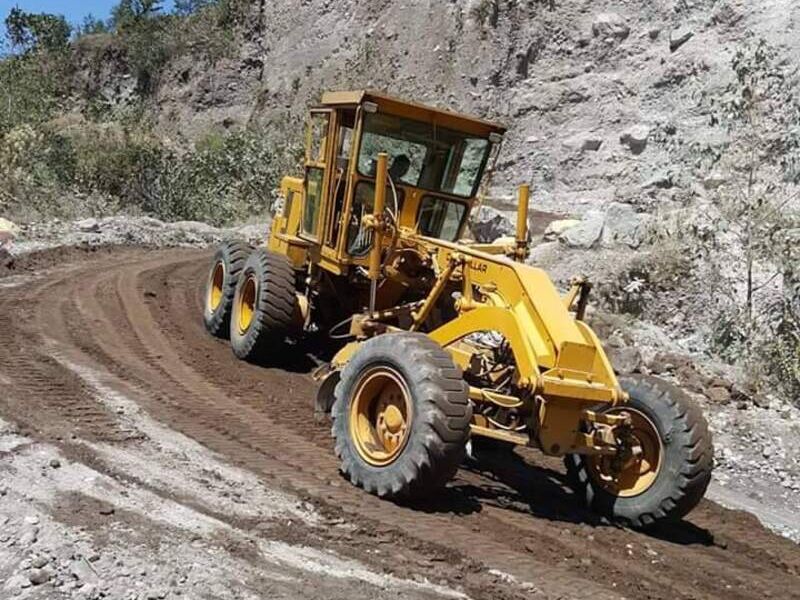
point(436, 161)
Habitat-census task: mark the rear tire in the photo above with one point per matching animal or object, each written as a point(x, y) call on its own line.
point(221, 286)
point(264, 305)
point(436, 418)
point(685, 463)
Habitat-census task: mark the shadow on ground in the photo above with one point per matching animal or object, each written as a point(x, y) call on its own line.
point(500, 477)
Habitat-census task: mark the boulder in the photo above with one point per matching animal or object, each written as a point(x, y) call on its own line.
point(487, 224)
point(718, 395)
point(586, 233)
point(610, 26)
point(8, 231)
point(592, 144)
point(625, 360)
point(635, 138)
point(678, 37)
point(88, 225)
point(556, 228)
point(623, 225)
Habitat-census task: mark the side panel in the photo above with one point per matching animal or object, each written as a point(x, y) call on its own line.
point(284, 237)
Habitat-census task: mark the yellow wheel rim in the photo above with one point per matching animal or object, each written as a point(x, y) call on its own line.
point(636, 472)
point(216, 284)
point(380, 416)
point(246, 307)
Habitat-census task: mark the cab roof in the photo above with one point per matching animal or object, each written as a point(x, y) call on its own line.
point(413, 110)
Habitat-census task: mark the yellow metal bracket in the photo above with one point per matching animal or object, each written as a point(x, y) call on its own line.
point(422, 314)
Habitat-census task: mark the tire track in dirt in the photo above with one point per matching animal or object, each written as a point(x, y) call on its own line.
point(136, 314)
point(611, 561)
point(212, 425)
point(307, 467)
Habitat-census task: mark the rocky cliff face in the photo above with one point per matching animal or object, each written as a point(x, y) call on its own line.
point(606, 101)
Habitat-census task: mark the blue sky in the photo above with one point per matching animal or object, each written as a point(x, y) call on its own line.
point(74, 11)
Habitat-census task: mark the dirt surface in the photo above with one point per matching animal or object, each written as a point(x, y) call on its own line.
point(104, 363)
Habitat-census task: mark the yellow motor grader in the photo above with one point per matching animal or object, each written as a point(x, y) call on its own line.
point(441, 340)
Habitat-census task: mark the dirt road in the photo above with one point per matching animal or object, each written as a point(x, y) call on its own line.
point(129, 320)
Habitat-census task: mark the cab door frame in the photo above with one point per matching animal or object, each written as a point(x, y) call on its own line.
point(321, 162)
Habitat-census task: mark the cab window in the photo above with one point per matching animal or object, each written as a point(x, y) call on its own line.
point(423, 155)
point(441, 218)
point(359, 239)
point(316, 151)
point(314, 180)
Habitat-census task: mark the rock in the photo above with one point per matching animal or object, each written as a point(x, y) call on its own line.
point(625, 360)
point(556, 228)
point(635, 138)
point(586, 233)
point(714, 181)
point(488, 224)
point(6, 259)
point(9, 228)
point(39, 576)
point(623, 225)
point(81, 571)
point(55, 463)
point(253, 234)
point(610, 25)
point(90, 592)
point(592, 144)
point(90, 225)
point(196, 227)
point(39, 562)
point(718, 395)
point(720, 382)
point(29, 536)
point(661, 180)
point(761, 401)
point(740, 395)
point(691, 379)
point(678, 37)
point(658, 366)
point(17, 582)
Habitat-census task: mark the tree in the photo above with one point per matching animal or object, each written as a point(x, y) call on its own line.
point(32, 31)
point(187, 7)
point(92, 25)
point(133, 12)
point(755, 213)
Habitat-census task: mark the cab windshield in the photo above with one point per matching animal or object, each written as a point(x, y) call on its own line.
point(423, 155)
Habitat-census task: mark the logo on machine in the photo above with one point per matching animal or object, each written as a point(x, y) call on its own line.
point(480, 267)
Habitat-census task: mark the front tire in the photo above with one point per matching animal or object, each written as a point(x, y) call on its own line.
point(401, 416)
point(264, 306)
point(671, 474)
point(221, 286)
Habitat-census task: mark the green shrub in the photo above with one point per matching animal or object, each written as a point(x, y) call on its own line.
point(228, 178)
point(32, 88)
